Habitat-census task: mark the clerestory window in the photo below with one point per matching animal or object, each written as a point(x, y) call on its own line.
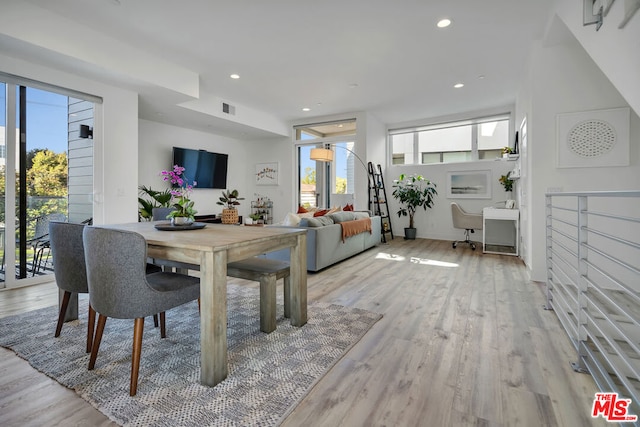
point(452, 142)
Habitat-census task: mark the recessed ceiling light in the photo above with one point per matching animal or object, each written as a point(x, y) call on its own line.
point(443, 23)
point(458, 85)
point(235, 76)
point(481, 76)
point(353, 85)
point(306, 109)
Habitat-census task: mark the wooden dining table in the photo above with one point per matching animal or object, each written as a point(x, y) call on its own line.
point(213, 247)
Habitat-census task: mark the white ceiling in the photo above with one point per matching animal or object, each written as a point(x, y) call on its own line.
point(292, 54)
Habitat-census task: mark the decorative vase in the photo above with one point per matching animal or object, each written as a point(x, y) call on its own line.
point(181, 220)
point(229, 216)
point(510, 203)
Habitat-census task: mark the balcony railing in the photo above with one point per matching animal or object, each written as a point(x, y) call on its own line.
point(593, 283)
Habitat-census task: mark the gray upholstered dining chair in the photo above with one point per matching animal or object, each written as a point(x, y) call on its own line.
point(70, 270)
point(120, 288)
point(159, 214)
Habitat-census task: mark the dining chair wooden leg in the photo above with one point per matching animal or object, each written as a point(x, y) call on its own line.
point(63, 311)
point(163, 325)
point(96, 341)
point(138, 329)
point(155, 320)
point(91, 321)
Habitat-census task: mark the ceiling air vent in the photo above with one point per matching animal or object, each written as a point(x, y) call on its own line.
point(228, 109)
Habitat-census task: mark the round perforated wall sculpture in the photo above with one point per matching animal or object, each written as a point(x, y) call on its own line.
point(591, 138)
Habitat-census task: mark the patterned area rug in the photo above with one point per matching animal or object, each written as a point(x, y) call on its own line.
point(268, 373)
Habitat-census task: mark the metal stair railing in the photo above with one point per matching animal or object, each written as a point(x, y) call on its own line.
point(593, 283)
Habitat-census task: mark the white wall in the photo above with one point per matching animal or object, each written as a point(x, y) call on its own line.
point(376, 137)
point(268, 151)
point(115, 138)
point(565, 79)
point(156, 141)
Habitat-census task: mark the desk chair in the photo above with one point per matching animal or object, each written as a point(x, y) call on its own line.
point(469, 222)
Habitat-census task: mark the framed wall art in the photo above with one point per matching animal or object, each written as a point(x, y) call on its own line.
point(267, 173)
point(469, 185)
point(598, 138)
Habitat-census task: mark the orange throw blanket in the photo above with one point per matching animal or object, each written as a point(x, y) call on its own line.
point(357, 226)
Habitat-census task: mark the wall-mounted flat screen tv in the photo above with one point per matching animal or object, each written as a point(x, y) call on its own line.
point(208, 170)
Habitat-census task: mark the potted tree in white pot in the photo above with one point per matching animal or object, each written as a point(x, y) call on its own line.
point(413, 191)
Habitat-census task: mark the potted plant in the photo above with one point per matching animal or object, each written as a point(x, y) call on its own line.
point(183, 212)
point(509, 153)
point(508, 150)
point(158, 199)
point(413, 191)
point(230, 199)
point(507, 183)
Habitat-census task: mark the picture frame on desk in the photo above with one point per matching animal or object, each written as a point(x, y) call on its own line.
point(469, 184)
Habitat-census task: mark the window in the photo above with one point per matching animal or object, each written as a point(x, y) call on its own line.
point(463, 141)
point(318, 180)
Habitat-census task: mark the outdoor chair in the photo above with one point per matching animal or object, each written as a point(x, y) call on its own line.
point(40, 241)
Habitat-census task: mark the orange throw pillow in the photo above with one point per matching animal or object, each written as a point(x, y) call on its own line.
point(321, 212)
point(348, 207)
point(301, 210)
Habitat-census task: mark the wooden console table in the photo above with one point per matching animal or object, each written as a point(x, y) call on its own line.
point(212, 219)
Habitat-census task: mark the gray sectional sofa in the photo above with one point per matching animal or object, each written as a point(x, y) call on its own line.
point(324, 239)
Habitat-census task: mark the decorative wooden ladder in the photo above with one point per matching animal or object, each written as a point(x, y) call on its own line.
point(378, 200)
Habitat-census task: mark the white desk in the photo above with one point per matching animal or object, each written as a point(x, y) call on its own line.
point(492, 226)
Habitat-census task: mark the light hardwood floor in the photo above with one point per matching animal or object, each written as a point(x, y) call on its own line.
point(464, 341)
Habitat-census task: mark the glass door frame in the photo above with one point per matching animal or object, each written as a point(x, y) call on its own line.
point(11, 167)
point(325, 171)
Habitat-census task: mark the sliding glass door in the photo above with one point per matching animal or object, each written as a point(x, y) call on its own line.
point(41, 157)
point(312, 179)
